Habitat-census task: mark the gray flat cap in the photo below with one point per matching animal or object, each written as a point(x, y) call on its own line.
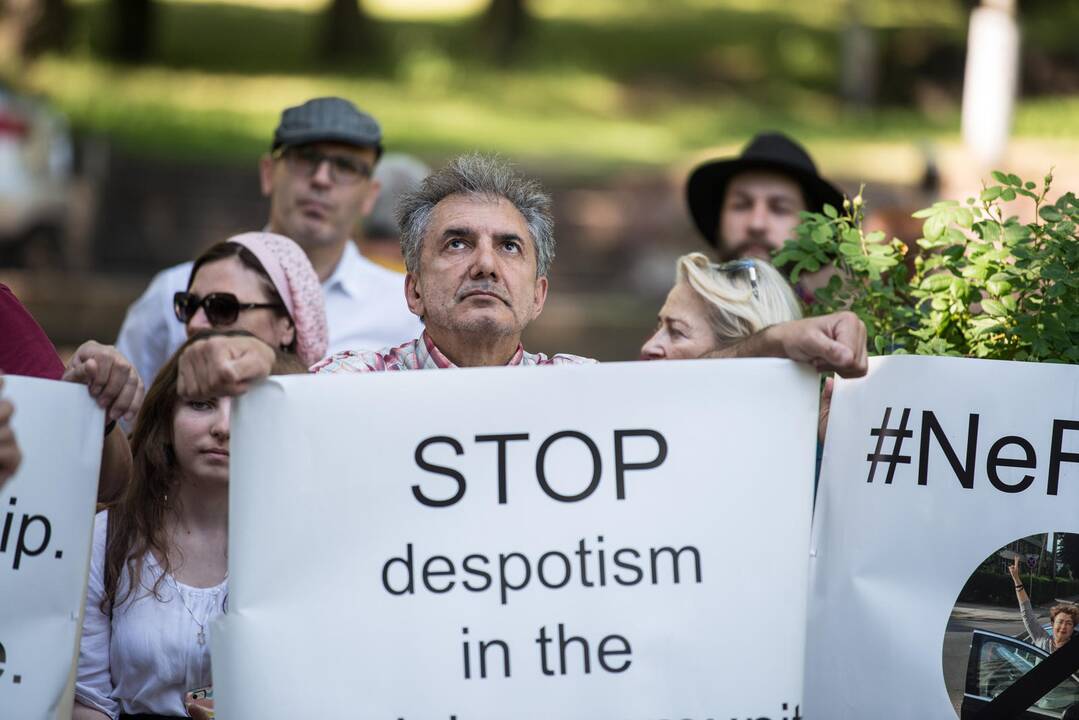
point(327, 119)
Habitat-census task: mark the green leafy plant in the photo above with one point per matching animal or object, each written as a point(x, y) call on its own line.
point(981, 284)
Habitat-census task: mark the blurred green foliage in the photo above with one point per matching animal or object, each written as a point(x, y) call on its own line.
point(996, 588)
point(593, 84)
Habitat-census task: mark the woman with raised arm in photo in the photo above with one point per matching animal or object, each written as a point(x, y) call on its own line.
point(1063, 617)
point(159, 563)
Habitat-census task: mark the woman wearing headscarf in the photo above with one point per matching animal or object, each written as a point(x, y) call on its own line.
point(262, 283)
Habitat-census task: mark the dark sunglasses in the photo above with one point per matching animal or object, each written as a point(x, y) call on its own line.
point(221, 308)
point(305, 161)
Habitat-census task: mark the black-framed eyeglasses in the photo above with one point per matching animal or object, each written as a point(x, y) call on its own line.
point(221, 308)
point(747, 266)
point(305, 161)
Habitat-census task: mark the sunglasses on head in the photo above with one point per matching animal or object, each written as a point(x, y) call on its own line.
point(736, 266)
point(221, 308)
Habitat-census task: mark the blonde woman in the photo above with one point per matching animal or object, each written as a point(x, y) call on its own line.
point(712, 305)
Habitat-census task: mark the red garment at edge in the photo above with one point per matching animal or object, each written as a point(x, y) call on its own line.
point(25, 349)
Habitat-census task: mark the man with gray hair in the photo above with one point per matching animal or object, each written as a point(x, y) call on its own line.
point(478, 241)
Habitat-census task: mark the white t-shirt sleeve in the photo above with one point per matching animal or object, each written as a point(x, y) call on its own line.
point(93, 684)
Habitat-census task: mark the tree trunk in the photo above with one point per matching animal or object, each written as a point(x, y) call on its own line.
point(859, 61)
point(133, 26)
point(348, 32)
point(990, 81)
point(50, 27)
point(505, 24)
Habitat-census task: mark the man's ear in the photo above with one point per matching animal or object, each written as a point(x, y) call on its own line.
point(539, 296)
point(266, 175)
point(372, 195)
point(412, 294)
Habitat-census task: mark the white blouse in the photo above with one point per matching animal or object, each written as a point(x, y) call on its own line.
point(148, 655)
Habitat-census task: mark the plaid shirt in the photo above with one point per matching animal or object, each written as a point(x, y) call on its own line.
point(421, 354)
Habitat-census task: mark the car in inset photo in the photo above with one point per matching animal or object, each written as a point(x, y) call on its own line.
point(996, 661)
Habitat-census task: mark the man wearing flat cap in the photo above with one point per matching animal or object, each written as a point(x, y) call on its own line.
point(747, 206)
point(318, 177)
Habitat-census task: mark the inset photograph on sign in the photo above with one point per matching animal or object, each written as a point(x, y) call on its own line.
point(1016, 609)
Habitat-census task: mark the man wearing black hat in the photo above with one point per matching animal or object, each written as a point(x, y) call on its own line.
point(318, 177)
point(748, 206)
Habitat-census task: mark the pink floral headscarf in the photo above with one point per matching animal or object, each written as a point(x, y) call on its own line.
point(297, 283)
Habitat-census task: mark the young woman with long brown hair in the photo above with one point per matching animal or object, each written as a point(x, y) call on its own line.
point(159, 565)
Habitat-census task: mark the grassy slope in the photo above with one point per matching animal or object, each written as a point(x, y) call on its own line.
point(600, 83)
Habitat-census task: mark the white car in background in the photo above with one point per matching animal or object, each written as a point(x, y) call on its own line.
point(36, 171)
point(996, 661)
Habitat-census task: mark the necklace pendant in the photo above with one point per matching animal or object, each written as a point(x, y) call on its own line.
point(202, 637)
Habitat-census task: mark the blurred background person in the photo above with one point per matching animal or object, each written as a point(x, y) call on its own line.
point(380, 236)
point(747, 206)
point(318, 176)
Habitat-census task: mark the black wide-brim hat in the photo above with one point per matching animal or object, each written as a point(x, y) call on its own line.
point(328, 119)
point(775, 151)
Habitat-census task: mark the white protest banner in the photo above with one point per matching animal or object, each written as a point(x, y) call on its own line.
point(46, 514)
point(931, 467)
point(608, 541)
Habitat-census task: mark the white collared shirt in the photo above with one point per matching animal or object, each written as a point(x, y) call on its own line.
point(365, 310)
point(365, 305)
